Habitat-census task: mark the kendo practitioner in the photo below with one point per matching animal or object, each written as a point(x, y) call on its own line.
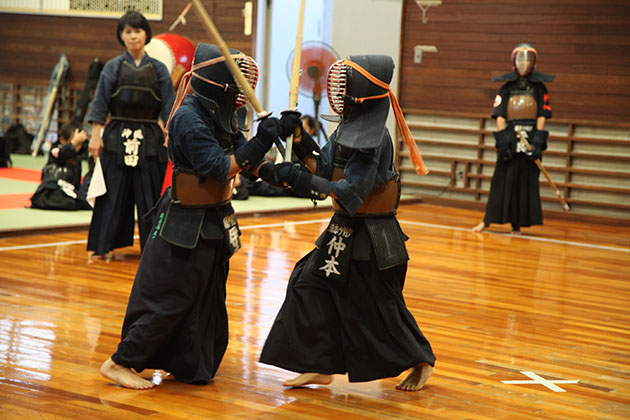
point(135, 90)
point(61, 176)
point(176, 318)
point(344, 310)
point(521, 109)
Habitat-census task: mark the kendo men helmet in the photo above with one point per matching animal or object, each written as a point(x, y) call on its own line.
point(524, 59)
point(212, 82)
point(358, 90)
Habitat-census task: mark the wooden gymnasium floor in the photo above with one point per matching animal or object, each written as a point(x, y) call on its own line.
point(552, 304)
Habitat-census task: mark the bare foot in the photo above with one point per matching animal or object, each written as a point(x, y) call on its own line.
point(480, 227)
point(309, 378)
point(416, 379)
point(124, 376)
point(107, 256)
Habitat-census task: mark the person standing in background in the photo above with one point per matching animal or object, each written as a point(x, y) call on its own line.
point(521, 109)
point(135, 90)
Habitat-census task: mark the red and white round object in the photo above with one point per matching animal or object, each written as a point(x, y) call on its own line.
point(172, 50)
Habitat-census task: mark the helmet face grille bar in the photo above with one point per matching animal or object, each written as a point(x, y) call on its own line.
point(337, 85)
point(524, 62)
point(250, 70)
point(524, 58)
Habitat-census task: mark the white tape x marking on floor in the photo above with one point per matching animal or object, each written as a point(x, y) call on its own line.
point(536, 379)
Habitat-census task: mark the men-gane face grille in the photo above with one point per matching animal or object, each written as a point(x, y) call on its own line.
point(250, 71)
point(337, 85)
point(524, 61)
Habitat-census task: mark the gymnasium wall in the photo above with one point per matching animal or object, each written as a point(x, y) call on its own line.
point(585, 43)
point(447, 99)
point(31, 44)
point(369, 27)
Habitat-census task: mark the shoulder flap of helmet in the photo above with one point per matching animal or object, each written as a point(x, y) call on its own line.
point(507, 77)
point(538, 77)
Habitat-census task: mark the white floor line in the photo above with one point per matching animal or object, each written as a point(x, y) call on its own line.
point(521, 236)
point(44, 245)
point(306, 222)
point(84, 241)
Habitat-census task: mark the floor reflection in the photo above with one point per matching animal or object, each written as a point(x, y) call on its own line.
point(26, 348)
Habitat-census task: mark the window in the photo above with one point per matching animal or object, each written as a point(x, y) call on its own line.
point(151, 9)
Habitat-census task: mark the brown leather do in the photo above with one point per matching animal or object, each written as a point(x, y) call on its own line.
point(522, 107)
point(382, 200)
point(188, 190)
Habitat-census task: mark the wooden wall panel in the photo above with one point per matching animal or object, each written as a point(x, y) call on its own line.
point(588, 162)
point(585, 43)
point(31, 44)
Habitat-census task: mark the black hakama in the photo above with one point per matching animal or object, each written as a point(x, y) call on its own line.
point(113, 218)
point(359, 325)
point(176, 319)
point(515, 193)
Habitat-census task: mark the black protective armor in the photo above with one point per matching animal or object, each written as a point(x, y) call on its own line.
point(136, 94)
